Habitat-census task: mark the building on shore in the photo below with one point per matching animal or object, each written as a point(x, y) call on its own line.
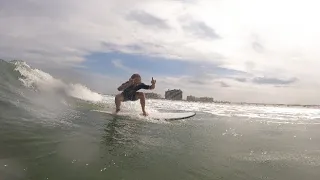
point(191, 98)
point(199, 99)
point(206, 99)
point(152, 96)
point(175, 94)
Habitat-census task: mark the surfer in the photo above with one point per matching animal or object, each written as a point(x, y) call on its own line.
point(129, 92)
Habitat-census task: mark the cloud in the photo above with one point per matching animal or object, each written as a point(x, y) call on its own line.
point(223, 84)
point(197, 82)
point(257, 43)
point(73, 30)
point(241, 79)
point(186, 1)
point(207, 80)
point(257, 47)
point(147, 19)
point(200, 29)
point(118, 64)
point(274, 81)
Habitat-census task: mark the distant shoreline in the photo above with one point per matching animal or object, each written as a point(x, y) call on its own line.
point(237, 103)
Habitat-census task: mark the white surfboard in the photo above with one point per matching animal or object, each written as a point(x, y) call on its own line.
point(169, 116)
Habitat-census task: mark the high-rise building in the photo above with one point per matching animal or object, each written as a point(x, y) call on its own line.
point(175, 94)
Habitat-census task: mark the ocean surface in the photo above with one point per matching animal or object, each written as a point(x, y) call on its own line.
point(50, 130)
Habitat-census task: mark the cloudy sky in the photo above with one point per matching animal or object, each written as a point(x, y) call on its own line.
point(248, 50)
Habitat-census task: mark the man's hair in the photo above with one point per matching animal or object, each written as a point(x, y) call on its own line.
point(135, 76)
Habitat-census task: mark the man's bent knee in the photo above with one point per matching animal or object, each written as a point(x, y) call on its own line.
point(140, 95)
point(119, 97)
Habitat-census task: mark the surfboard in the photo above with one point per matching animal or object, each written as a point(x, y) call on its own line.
point(169, 116)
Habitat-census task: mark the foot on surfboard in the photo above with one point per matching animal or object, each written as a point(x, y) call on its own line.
point(116, 112)
point(145, 114)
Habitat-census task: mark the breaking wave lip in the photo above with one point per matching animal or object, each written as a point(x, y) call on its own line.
point(82, 92)
point(44, 82)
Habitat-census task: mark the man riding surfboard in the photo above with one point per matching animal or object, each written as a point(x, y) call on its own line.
point(129, 92)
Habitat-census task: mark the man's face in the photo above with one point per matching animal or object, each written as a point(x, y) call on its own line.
point(137, 80)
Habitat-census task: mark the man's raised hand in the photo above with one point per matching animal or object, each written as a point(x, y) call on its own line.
point(153, 81)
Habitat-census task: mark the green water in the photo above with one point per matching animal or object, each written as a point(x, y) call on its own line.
point(97, 146)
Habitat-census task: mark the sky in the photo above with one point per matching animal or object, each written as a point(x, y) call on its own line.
point(240, 51)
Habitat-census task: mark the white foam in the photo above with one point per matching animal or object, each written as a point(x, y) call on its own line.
point(268, 114)
point(44, 82)
point(82, 92)
point(37, 79)
point(130, 106)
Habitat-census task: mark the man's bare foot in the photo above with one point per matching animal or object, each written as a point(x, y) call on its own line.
point(145, 113)
point(116, 112)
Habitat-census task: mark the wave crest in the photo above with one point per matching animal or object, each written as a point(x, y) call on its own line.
point(44, 82)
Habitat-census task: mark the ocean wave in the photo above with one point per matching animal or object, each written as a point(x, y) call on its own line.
point(30, 95)
point(44, 82)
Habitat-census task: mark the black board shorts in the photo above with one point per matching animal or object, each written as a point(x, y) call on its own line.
point(129, 97)
point(129, 94)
